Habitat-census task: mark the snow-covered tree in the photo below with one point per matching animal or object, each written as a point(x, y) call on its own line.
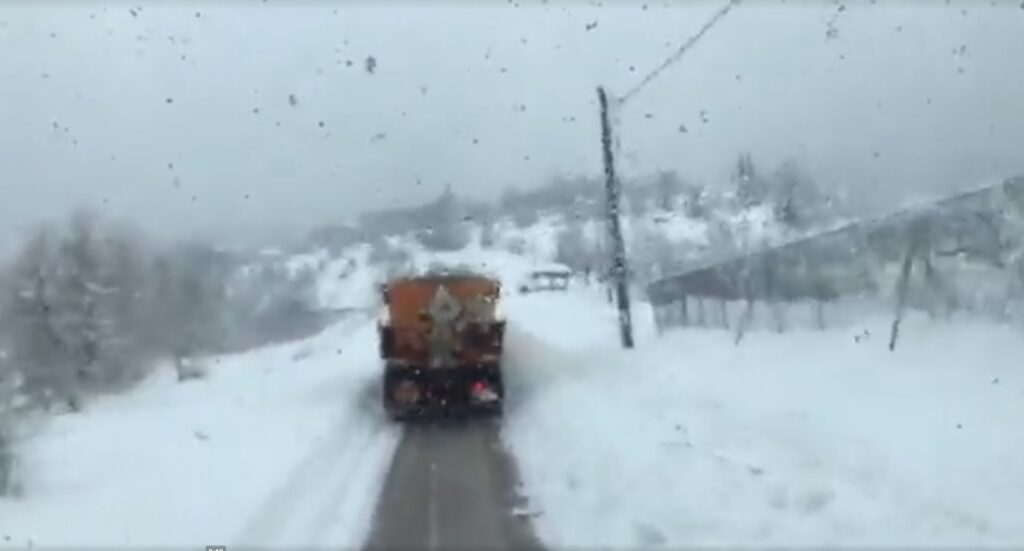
point(571, 247)
point(653, 255)
point(34, 343)
point(487, 231)
point(668, 187)
point(722, 240)
point(9, 391)
point(193, 295)
point(797, 200)
point(751, 187)
point(446, 230)
point(695, 202)
point(96, 299)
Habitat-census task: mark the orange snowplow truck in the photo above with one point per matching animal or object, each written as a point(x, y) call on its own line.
point(441, 339)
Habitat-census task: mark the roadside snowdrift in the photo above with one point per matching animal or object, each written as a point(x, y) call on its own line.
point(802, 438)
point(277, 446)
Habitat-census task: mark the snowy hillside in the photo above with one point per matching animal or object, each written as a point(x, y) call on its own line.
point(809, 438)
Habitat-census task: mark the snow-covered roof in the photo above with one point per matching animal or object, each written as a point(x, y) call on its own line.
point(549, 267)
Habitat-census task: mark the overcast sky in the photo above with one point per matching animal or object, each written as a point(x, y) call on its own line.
point(178, 117)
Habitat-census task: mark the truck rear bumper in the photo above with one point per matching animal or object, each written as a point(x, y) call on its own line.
point(417, 390)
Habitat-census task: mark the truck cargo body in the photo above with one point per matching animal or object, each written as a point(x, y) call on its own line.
point(441, 339)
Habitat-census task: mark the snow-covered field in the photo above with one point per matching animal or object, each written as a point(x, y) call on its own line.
point(807, 437)
point(278, 446)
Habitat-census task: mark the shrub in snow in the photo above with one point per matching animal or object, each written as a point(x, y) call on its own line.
point(524, 217)
point(7, 389)
point(189, 370)
point(572, 249)
point(797, 200)
point(444, 237)
point(445, 228)
point(6, 468)
point(695, 202)
point(516, 245)
point(487, 238)
point(9, 486)
point(388, 255)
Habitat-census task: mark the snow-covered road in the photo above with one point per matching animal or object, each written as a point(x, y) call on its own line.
point(451, 486)
point(326, 499)
point(278, 446)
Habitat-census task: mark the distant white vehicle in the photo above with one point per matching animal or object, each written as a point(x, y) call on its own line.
point(554, 277)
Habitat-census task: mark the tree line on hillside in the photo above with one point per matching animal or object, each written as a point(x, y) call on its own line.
point(89, 306)
point(796, 203)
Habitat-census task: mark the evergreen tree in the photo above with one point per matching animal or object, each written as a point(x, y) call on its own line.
point(751, 188)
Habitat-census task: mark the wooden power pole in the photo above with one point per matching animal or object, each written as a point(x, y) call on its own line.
point(619, 270)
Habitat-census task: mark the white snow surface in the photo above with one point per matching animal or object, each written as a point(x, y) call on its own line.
point(508, 268)
point(679, 228)
point(280, 446)
point(801, 438)
point(540, 238)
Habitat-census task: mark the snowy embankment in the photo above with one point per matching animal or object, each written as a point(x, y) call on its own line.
point(808, 437)
point(277, 446)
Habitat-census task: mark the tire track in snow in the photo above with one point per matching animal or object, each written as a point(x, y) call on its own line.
point(345, 516)
point(356, 443)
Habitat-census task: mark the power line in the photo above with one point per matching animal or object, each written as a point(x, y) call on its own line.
point(679, 53)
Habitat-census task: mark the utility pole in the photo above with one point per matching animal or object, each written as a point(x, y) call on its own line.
point(619, 270)
point(618, 249)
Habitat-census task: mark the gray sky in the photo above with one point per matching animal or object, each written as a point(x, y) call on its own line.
point(891, 103)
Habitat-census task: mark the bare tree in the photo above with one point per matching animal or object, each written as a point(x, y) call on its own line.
point(797, 200)
point(669, 187)
point(487, 231)
point(8, 392)
point(35, 344)
point(571, 247)
point(446, 230)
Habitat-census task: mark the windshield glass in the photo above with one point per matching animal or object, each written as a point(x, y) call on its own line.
point(761, 273)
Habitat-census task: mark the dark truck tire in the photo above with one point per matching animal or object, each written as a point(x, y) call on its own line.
point(393, 376)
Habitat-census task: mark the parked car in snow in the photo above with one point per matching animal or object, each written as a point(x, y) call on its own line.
point(548, 278)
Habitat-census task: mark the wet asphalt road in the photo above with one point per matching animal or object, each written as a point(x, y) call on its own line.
point(451, 486)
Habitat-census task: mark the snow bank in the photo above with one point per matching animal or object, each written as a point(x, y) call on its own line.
point(278, 446)
point(349, 282)
point(678, 228)
point(540, 239)
point(802, 438)
point(307, 261)
point(508, 268)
